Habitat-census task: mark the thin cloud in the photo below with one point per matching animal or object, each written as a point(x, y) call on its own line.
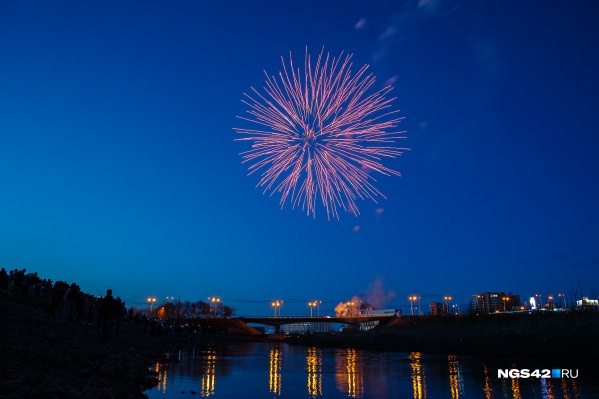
point(391, 80)
point(429, 5)
point(408, 19)
point(389, 32)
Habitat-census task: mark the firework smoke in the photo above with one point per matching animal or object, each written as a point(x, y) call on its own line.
point(375, 297)
point(319, 135)
point(349, 308)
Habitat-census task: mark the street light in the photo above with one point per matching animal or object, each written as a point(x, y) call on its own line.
point(447, 299)
point(481, 299)
point(311, 305)
point(215, 301)
point(540, 300)
point(275, 305)
point(564, 300)
point(549, 299)
point(412, 299)
point(456, 307)
point(351, 305)
point(505, 299)
point(151, 301)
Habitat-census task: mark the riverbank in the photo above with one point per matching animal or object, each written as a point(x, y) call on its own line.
point(571, 335)
point(45, 357)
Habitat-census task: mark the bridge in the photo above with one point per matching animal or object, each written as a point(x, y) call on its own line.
point(278, 321)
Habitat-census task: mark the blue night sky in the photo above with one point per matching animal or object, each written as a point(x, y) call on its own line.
point(119, 169)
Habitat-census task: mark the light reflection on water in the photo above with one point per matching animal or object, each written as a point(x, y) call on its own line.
point(277, 370)
point(209, 375)
point(349, 375)
point(314, 369)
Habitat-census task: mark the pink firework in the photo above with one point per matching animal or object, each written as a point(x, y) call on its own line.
point(319, 135)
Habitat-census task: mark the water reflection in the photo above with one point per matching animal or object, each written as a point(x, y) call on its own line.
point(418, 377)
point(456, 383)
point(242, 369)
point(516, 388)
point(275, 370)
point(161, 374)
point(209, 375)
point(314, 366)
point(547, 389)
point(349, 373)
point(570, 393)
point(487, 389)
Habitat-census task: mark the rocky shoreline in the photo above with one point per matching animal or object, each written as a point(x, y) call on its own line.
point(46, 357)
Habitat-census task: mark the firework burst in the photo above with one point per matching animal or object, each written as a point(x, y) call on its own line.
point(318, 134)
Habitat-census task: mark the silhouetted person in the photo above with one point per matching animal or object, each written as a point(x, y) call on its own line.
point(3, 279)
point(119, 313)
point(70, 302)
point(108, 311)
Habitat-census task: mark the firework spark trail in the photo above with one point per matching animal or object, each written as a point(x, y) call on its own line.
point(319, 134)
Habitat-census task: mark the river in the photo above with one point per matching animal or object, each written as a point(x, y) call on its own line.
point(278, 370)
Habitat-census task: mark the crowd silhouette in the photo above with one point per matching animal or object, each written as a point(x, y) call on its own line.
point(69, 302)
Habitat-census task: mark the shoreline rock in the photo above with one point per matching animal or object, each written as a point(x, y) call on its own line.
point(46, 357)
point(50, 357)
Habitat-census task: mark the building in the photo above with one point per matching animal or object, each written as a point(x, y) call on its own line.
point(437, 309)
point(379, 312)
point(494, 302)
point(512, 302)
point(314, 327)
point(376, 312)
point(587, 304)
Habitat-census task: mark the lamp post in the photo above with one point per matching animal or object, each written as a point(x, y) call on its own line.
point(540, 300)
point(563, 300)
point(457, 312)
point(481, 299)
point(275, 305)
point(412, 299)
point(215, 301)
point(419, 308)
point(447, 299)
point(151, 301)
point(311, 305)
point(351, 305)
point(505, 299)
point(549, 300)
